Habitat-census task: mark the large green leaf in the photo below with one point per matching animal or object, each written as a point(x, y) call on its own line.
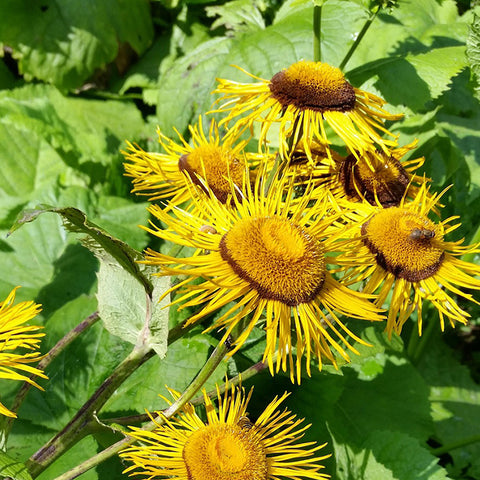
point(455, 400)
point(426, 74)
point(416, 26)
point(64, 43)
point(387, 455)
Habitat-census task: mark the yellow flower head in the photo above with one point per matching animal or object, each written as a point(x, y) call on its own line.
point(405, 252)
point(14, 336)
point(269, 257)
point(381, 179)
point(303, 96)
point(229, 446)
point(208, 160)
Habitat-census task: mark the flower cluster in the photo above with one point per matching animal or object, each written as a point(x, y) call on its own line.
point(304, 240)
point(280, 238)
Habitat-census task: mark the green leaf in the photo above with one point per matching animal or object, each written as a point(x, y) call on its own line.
point(42, 259)
point(186, 88)
point(378, 389)
point(238, 15)
point(455, 400)
point(64, 43)
point(473, 50)
point(426, 74)
point(416, 26)
point(51, 142)
point(12, 468)
point(125, 309)
point(387, 455)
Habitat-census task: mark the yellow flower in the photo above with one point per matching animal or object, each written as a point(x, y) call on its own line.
point(382, 179)
point(14, 335)
point(209, 160)
point(229, 446)
point(269, 257)
point(301, 97)
point(404, 252)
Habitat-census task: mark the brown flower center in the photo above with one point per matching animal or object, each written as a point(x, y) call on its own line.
point(404, 243)
point(225, 452)
point(314, 86)
point(279, 259)
point(215, 164)
point(387, 180)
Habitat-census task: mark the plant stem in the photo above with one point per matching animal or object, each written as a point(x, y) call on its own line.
point(317, 31)
point(141, 418)
point(212, 363)
point(43, 364)
point(452, 446)
point(357, 41)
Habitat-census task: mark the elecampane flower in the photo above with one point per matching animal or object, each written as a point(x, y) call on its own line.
point(381, 179)
point(15, 336)
point(207, 160)
point(228, 446)
point(404, 252)
point(302, 97)
point(269, 257)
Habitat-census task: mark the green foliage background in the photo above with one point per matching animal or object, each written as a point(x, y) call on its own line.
point(77, 79)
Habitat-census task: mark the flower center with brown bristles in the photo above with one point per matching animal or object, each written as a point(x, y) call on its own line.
point(406, 244)
point(313, 85)
point(385, 179)
point(225, 452)
point(216, 165)
point(278, 258)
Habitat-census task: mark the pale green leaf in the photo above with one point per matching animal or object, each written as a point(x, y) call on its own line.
point(125, 309)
